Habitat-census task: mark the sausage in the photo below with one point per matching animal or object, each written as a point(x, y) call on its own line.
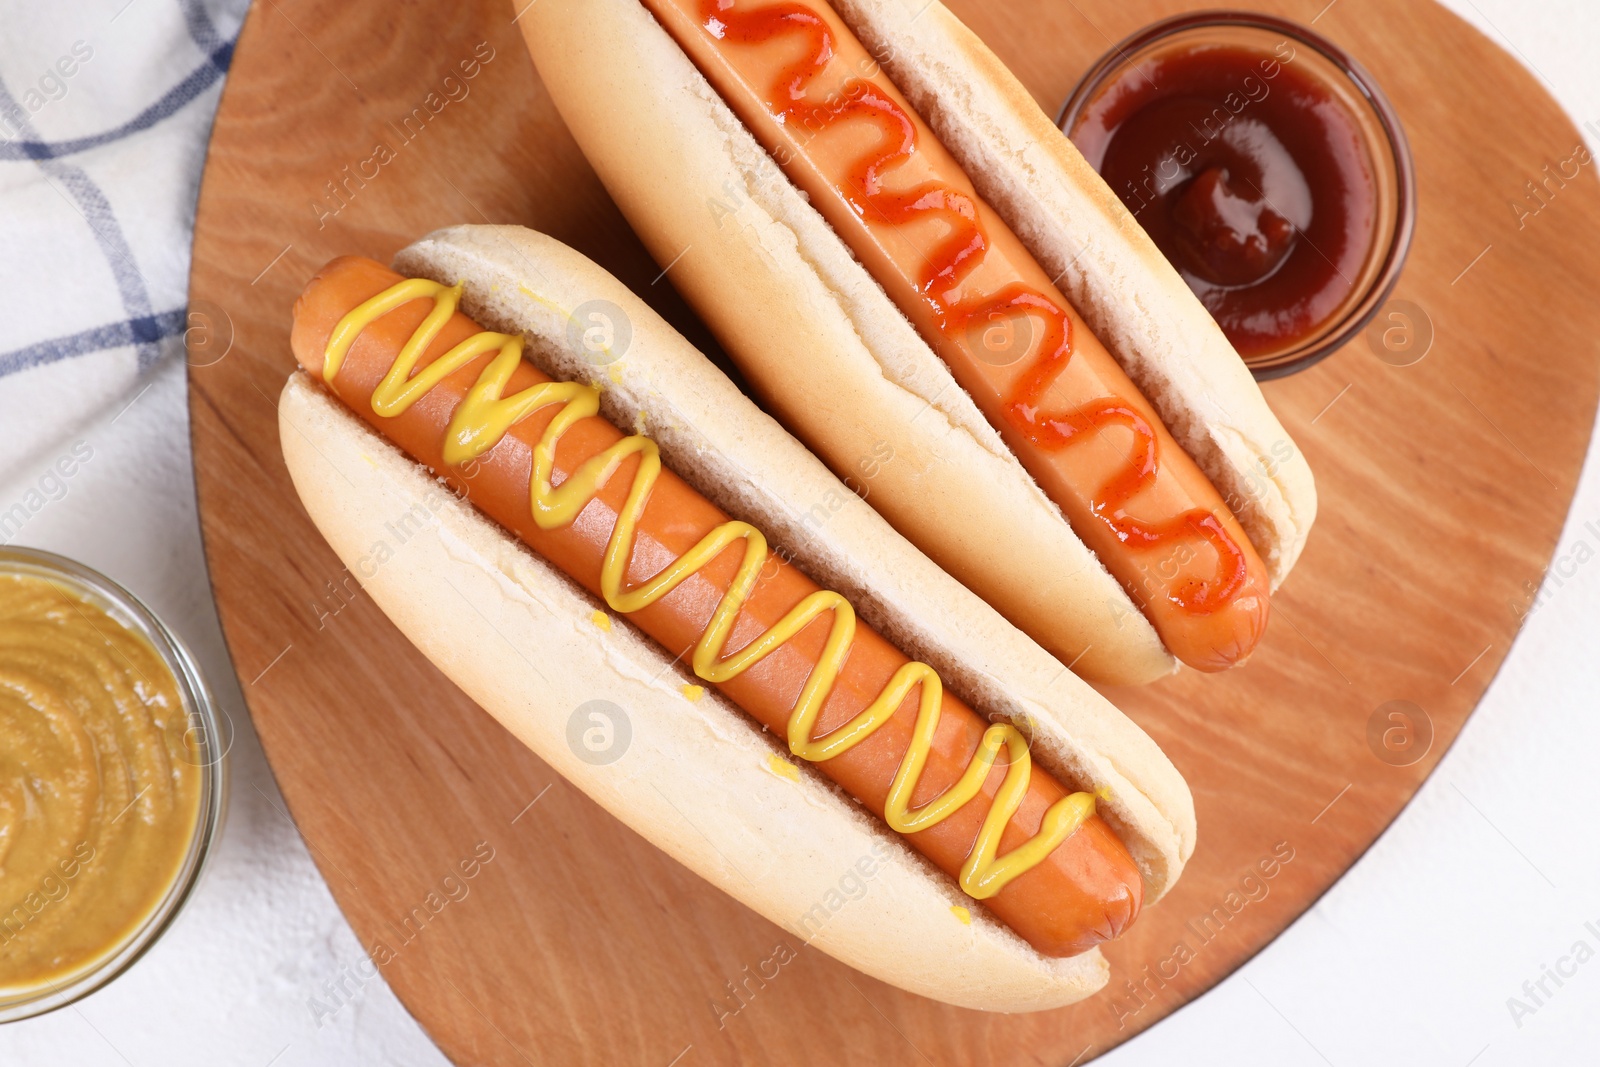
point(798, 77)
point(1086, 890)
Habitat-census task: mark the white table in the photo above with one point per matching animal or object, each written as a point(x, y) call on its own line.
point(1410, 959)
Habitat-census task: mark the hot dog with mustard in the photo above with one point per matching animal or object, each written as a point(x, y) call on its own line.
point(1047, 867)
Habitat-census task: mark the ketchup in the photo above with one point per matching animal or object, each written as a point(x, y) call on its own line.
point(1250, 174)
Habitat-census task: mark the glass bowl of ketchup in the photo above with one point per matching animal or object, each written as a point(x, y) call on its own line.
point(1266, 165)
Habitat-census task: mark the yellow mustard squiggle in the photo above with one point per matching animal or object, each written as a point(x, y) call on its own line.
point(486, 415)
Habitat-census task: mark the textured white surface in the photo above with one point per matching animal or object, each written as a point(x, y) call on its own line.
point(1409, 960)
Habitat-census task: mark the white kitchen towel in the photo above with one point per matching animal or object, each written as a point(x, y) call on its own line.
point(105, 109)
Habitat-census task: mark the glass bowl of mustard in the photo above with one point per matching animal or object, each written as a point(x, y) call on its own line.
point(1267, 166)
point(112, 780)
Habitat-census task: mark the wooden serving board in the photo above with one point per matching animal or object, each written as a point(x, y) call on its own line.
point(1443, 484)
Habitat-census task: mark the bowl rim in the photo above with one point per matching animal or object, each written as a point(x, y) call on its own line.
point(1388, 274)
point(215, 738)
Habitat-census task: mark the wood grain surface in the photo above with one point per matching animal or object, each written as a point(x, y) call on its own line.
point(1443, 487)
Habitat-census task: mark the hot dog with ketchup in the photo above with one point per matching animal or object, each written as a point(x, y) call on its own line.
point(850, 261)
point(1043, 870)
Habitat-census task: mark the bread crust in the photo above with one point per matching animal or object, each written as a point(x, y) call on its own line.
point(467, 594)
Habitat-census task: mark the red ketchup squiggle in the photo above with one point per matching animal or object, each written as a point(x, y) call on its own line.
point(951, 262)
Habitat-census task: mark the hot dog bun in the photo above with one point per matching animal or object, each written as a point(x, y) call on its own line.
point(468, 595)
point(834, 357)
